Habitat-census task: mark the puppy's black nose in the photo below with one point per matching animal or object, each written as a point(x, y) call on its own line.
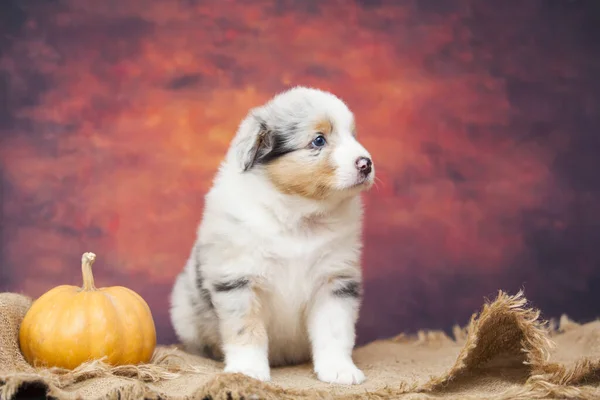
point(363, 164)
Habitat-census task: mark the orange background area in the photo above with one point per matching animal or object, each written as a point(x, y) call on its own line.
point(482, 119)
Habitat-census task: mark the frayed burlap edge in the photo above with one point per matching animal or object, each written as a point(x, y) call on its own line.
point(165, 364)
point(505, 321)
point(519, 333)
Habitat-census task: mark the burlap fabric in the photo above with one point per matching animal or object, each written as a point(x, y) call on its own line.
point(505, 352)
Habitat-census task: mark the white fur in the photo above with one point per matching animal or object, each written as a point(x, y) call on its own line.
point(291, 247)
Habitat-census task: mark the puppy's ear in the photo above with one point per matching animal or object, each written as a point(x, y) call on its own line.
point(258, 145)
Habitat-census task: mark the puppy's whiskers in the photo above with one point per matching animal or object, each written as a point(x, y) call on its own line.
point(376, 181)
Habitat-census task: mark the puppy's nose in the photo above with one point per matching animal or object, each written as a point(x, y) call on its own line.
point(363, 164)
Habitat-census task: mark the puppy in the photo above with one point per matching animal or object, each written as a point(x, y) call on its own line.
point(274, 276)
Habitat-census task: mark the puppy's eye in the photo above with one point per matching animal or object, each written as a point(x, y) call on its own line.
point(319, 141)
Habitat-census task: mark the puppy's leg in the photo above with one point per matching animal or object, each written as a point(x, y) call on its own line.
point(185, 318)
point(331, 326)
point(245, 343)
point(192, 313)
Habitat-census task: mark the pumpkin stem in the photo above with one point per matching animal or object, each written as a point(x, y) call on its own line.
point(86, 269)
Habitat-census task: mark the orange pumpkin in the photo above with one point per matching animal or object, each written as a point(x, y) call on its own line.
point(70, 325)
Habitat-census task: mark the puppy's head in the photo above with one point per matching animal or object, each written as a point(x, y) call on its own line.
point(305, 141)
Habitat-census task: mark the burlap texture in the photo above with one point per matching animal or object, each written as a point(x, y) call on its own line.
point(505, 352)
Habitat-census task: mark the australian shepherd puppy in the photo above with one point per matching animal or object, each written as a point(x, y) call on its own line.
point(274, 276)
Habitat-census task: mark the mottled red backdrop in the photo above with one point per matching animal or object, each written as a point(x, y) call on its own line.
point(483, 119)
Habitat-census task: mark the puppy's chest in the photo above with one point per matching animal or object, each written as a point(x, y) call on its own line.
point(293, 275)
point(287, 257)
point(295, 265)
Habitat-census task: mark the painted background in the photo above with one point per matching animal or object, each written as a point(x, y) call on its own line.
point(483, 119)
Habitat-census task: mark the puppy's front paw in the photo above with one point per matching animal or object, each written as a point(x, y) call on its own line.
point(249, 361)
point(341, 372)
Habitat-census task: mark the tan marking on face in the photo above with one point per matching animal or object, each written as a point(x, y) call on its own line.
point(353, 128)
point(324, 126)
point(310, 178)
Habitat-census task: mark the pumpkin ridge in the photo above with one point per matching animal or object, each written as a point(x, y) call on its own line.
point(33, 328)
point(145, 309)
point(136, 305)
point(86, 339)
point(97, 325)
point(50, 328)
point(119, 314)
point(114, 325)
point(73, 306)
point(86, 334)
point(68, 306)
point(148, 324)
